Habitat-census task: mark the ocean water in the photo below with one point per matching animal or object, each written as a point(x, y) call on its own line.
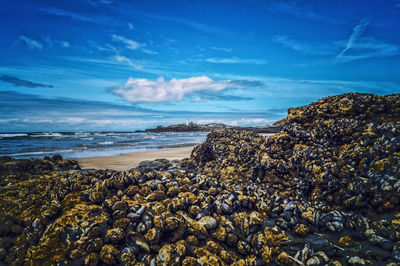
point(74, 145)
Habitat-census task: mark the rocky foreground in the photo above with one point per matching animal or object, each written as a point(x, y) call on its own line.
point(325, 190)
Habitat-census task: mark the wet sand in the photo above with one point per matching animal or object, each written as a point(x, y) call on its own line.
point(130, 160)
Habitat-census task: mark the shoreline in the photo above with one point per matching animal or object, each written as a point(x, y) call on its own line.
point(130, 160)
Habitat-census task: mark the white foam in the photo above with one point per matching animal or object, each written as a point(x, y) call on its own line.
point(13, 135)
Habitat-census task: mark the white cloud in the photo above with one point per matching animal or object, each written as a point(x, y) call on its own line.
point(106, 47)
point(358, 47)
point(354, 48)
point(65, 44)
point(144, 90)
point(357, 32)
point(120, 58)
point(193, 24)
point(72, 120)
point(227, 50)
point(295, 45)
point(129, 44)
point(65, 13)
point(31, 43)
point(298, 88)
point(296, 9)
point(236, 60)
point(132, 45)
point(148, 51)
point(369, 47)
point(56, 43)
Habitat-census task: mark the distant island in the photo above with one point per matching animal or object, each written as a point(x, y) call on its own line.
point(193, 127)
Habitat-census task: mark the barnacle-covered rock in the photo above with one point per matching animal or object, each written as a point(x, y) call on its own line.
point(208, 222)
point(109, 254)
point(326, 186)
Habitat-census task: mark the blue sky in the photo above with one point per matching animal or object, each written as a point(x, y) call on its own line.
point(126, 65)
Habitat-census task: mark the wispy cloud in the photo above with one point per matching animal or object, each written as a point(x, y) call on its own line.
point(302, 47)
point(128, 43)
point(56, 43)
point(359, 47)
point(354, 48)
point(222, 49)
point(144, 90)
point(120, 58)
point(236, 60)
point(99, 2)
point(68, 14)
point(148, 51)
point(132, 45)
point(293, 8)
point(30, 43)
point(357, 32)
point(367, 48)
point(189, 23)
point(310, 90)
point(201, 96)
point(105, 47)
point(300, 9)
point(17, 82)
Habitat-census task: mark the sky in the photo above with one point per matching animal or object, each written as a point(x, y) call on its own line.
point(109, 65)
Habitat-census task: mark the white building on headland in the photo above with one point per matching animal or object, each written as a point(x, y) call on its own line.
point(187, 122)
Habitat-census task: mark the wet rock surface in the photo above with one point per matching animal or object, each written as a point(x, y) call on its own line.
point(325, 190)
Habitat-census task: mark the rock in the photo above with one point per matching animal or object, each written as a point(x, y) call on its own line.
point(356, 261)
point(5, 242)
point(152, 235)
point(384, 243)
point(302, 230)
point(255, 218)
point(5, 227)
point(96, 196)
point(3, 253)
point(172, 223)
point(208, 222)
point(128, 255)
point(313, 261)
point(166, 256)
point(156, 195)
point(114, 235)
point(326, 185)
point(284, 258)
point(192, 127)
point(16, 229)
point(226, 208)
point(142, 245)
point(109, 254)
point(92, 259)
point(120, 206)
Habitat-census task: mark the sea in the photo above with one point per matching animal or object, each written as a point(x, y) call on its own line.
point(74, 145)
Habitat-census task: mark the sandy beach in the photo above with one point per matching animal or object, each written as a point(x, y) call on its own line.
point(130, 160)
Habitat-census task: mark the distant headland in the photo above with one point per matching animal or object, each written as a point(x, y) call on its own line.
point(193, 127)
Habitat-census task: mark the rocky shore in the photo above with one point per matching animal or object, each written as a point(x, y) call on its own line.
point(192, 127)
point(324, 190)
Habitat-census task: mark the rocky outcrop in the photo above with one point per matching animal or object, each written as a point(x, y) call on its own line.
point(192, 127)
point(324, 190)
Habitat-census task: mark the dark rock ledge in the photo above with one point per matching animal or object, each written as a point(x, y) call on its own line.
point(324, 190)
